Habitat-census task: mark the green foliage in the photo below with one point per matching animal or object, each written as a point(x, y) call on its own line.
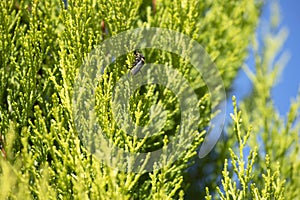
point(278, 136)
point(241, 182)
point(271, 170)
point(43, 45)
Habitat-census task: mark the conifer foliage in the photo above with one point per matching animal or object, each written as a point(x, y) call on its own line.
point(44, 43)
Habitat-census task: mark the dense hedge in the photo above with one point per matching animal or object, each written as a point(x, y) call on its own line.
point(44, 43)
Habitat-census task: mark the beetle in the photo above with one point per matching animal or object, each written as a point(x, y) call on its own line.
point(138, 63)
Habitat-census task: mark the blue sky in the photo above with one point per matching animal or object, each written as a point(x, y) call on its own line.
point(289, 82)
